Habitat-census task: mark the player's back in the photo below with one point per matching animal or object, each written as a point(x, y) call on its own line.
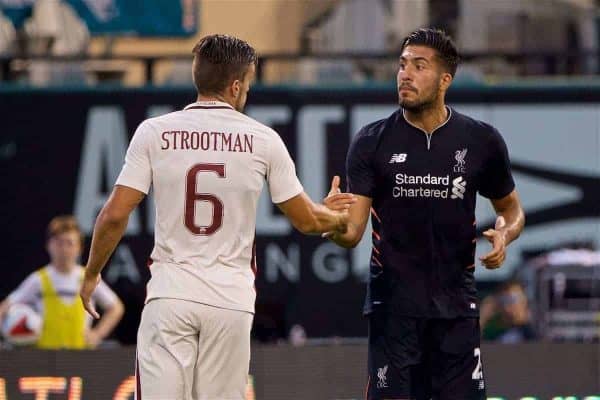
point(208, 163)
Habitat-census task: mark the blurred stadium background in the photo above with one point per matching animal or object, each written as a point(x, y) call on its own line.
point(77, 76)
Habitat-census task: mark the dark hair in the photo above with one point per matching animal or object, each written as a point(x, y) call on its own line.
point(437, 40)
point(221, 59)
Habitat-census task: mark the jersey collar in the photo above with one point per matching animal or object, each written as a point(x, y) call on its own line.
point(438, 127)
point(209, 105)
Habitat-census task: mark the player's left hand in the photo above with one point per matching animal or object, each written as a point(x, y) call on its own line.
point(497, 237)
point(336, 200)
point(87, 288)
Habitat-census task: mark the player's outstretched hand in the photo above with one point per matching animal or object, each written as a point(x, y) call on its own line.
point(497, 238)
point(87, 288)
point(339, 202)
point(336, 200)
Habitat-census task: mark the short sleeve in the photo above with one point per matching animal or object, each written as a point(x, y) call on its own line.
point(28, 291)
point(281, 173)
point(137, 170)
point(104, 296)
point(496, 177)
point(359, 167)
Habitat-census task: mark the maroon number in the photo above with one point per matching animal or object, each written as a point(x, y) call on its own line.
point(191, 197)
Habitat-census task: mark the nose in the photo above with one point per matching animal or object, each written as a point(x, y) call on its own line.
point(404, 76)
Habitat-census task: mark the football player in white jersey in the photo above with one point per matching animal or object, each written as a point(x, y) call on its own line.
point(207, 165)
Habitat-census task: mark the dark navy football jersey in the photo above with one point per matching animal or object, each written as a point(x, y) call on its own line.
point(423, 215)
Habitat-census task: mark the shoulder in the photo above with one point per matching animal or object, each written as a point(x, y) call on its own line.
point(478, 128)
point(38, 272)
point(155, 123)
point(377, 128)
point(369, 136)
point(256, 127)
point(475, 125)
point(34, 278)
point(268, 137)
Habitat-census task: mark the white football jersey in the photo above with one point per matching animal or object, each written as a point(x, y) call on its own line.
point(207, 164)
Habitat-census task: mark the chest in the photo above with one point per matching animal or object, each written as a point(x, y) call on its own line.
point(439, 161)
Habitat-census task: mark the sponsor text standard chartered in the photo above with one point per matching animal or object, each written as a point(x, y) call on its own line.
point(429, 180)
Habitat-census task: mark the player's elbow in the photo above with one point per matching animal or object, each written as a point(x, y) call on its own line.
point(111, 216)
point(349, 242)
point(118, 309)
point(521, 223)
point(353, 243)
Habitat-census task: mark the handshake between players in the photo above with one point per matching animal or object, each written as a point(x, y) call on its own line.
point(355, 210)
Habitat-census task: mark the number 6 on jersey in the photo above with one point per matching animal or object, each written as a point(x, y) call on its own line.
point(191, 197)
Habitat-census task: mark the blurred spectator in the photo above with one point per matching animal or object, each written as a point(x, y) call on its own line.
point(505, 315)
point(53, 291)
point(7, 35)
point(55, 29)
point(297, 336)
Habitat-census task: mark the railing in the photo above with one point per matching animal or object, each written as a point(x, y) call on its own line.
point(552, 63)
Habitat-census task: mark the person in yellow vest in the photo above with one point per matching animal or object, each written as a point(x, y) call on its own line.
point(53, 291)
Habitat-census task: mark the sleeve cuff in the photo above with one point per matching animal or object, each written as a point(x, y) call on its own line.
point(293, 192)
point(122, 181)
point(506, 190)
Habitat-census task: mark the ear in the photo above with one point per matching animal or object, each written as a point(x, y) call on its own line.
point(446, 80)
point(236, 87)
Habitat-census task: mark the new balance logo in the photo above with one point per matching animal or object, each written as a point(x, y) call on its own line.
point(398, 158)
point(459, 187)
point(381, 372)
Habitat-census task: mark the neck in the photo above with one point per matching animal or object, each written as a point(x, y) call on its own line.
point(429, 118)
point(214, 97)
point(63, 267)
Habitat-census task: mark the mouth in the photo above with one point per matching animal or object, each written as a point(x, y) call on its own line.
point(407, 89)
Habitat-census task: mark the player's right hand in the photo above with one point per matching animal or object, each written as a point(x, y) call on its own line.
point(497, 237)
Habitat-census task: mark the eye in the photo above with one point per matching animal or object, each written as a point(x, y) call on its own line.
point(420, 67)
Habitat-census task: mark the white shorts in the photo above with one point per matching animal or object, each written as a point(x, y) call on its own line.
point(192, 351)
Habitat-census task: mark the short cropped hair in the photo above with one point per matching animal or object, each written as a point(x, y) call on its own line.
point(62, 224)
point(221, 59)
point(439, 41)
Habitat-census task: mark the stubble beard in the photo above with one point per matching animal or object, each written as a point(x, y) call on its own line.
point(418, 106)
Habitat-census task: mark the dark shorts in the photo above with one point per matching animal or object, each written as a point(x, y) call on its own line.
point(422, 359)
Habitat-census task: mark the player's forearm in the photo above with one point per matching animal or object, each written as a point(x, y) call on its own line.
point(323, 220)
point(108, 231)
point(515, 222)
point(109, 320)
